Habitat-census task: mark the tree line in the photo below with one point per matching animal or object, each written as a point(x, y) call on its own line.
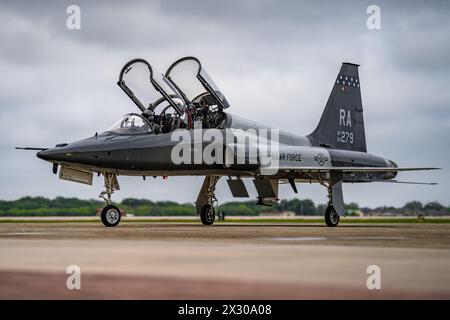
point(60, 206)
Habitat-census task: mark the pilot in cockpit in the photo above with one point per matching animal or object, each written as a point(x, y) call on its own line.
point(153, 119)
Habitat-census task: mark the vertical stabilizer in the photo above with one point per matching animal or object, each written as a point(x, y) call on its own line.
point(342, 125)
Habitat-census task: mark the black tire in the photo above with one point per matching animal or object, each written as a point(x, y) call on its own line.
point(331, 217)
point(110, 216)
point(207, 215)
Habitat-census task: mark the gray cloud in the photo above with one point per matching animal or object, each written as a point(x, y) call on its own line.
point(275, 61)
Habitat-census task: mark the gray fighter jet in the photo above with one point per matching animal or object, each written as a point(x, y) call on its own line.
point(182, 129)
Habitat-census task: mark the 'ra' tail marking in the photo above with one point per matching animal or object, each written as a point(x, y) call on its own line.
point(342, 125)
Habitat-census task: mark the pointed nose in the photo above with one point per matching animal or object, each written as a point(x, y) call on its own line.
point(51, 154)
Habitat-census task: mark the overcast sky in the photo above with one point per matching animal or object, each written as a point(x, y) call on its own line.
point(276, 62)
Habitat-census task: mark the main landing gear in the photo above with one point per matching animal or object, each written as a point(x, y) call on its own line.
point(207, 214)
point(335, 208)
point(206, 200)
point(331, 216)
point(110, 214)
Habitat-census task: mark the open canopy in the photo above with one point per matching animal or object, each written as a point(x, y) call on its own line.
point(194, 83)
point(148, 88)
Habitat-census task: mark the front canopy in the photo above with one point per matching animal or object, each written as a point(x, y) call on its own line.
point(194, 83)
point(148, 88)
point(131, 123)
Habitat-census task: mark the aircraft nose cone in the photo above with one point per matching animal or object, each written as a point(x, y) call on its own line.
point(50, 155)
point(42, 155)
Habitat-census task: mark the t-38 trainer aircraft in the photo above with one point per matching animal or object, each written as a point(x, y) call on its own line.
point(182, 129)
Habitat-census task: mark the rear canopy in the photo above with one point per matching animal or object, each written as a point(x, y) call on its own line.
point(193, 82)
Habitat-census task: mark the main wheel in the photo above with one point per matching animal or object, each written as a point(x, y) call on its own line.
point(110, 216)
point(331, 216)
point(207, 215)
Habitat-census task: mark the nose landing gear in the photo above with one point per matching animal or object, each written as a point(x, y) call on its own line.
point(110, 214)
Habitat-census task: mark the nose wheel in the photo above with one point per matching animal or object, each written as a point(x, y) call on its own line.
point(110, 216)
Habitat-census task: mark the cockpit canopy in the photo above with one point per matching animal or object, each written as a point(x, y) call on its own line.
point(194, 84)
point(131, 123)
point(148, 88)
point(177, 100)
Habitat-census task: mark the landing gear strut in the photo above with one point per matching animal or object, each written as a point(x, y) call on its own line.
point(335, 207)
point(206, 200)
point(110, 214)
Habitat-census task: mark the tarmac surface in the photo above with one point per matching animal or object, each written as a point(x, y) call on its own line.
point(170, 260)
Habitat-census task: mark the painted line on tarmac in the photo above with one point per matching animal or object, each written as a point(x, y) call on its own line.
point(371, 238)
point(296, 238)
point(333, 238)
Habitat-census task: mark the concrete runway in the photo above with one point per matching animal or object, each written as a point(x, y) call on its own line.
point(150, 260)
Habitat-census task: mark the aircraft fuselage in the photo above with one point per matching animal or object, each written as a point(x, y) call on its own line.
point(151, 155)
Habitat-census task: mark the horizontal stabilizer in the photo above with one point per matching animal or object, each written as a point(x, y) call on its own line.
point(406, 182)
point(356, 169)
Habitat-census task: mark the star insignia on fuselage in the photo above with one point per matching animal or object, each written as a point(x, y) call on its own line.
point(321, 159)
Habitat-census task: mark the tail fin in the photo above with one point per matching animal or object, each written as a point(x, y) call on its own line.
point(342, 125)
